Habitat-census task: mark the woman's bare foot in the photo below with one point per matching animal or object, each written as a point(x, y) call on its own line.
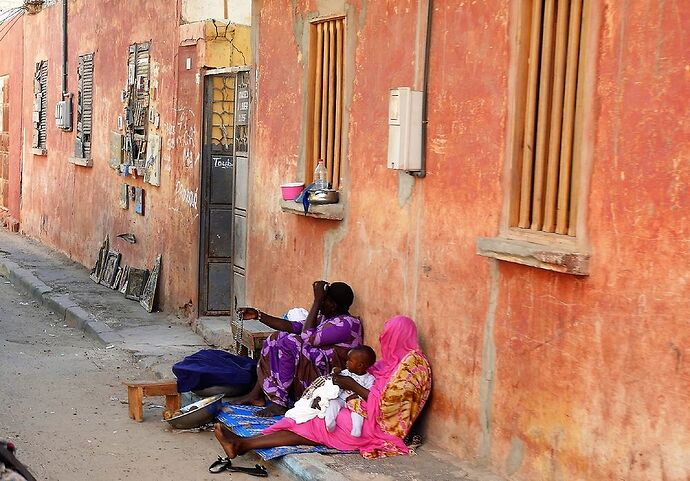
point(255, 397)
point(272, 410)
point(227, 439)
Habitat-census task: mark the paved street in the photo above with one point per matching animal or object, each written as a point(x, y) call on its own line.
point(62, 404)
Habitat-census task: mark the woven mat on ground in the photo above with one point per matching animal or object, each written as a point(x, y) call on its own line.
point(242, 421)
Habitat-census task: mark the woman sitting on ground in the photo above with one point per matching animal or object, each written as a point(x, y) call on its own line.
point(402, 386)
point(300, 352)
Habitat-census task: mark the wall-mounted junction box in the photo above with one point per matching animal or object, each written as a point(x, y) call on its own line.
point(405, 129)
point(63, 114)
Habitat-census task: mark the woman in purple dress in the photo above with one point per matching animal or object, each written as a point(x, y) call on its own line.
point(300, 352)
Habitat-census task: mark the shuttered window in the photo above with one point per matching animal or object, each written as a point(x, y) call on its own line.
point(325, 113)
point(137, 110)
point(82, 142)
point(549, 117)
point(40, 108)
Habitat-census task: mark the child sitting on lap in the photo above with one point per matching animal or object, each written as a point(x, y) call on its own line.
point(359, 360)
point(324, 399)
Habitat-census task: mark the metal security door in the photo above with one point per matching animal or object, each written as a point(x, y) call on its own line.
point(224, 192)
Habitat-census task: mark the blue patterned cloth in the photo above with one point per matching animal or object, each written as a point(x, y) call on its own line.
point(242, 421)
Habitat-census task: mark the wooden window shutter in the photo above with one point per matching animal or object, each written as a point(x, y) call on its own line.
point(82, 142)
point(325, 114)
point(548, 160)
point(136, 112)
point(40, 110)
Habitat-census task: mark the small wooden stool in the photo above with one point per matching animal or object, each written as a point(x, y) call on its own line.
point(138, 390)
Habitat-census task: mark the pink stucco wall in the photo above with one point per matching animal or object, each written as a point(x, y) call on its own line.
point(589, 375)
point(10, 64)
point(72, 208)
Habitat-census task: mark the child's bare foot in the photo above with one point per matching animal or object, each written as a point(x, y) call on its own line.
point(272, 410)
point(227, 439)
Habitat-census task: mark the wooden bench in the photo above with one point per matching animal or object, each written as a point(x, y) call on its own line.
point(253, 336)
point(138, 390)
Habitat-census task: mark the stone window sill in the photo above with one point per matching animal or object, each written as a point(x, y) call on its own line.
point(329, 211)
point(36, 151)
point(558, 258)
point(81, 161)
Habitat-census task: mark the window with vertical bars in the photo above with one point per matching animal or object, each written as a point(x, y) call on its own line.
point(82, 142)
point(325, 114)
point(40, 109)
point(546, 185)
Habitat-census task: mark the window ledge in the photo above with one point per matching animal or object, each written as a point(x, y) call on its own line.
point(81, 161)
point(544, 256)
point(36, 151)
point(328, 211)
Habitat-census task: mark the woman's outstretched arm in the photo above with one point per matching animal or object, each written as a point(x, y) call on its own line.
point(276, 323)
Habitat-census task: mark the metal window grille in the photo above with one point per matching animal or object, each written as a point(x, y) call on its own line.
point(325, 115)
point(550, 119)
point(222, 122)
point(40, 111)
point(82, 142)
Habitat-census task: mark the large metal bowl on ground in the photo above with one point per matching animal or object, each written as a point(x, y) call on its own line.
point(197, 414)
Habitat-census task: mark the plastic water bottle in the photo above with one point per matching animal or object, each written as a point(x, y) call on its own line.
point(320, 176)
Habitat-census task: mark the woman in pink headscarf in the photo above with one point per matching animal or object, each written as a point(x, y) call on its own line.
point(402, 387)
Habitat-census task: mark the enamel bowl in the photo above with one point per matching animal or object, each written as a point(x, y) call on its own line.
point(197, 414)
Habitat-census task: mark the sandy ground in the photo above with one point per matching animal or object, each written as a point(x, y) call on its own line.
point(62, 402)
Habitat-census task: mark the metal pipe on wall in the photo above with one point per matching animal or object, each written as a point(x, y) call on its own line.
point(425, 86)
point(64, 47)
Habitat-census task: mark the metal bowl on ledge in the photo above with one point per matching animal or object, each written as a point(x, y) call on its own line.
point(322, 197)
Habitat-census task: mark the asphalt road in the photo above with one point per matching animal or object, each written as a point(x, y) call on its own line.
point(63, 404)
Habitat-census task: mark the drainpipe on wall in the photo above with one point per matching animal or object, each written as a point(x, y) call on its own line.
point(64, 48)
point(63, 110)
point(425, 87)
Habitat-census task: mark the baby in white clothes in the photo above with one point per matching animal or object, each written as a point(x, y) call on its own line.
point(359, 360)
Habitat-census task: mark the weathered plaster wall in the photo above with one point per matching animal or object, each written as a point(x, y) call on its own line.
point(542, 375)
point(238, 11)
point(10, 64)
point(72, 208)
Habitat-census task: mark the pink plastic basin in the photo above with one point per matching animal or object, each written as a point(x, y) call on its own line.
point(292, 190)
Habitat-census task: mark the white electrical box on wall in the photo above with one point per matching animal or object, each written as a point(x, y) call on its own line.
point(405, 129)
point(63, 114)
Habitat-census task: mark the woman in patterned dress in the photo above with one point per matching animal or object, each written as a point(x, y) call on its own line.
point(402, 387)
point(300, 352)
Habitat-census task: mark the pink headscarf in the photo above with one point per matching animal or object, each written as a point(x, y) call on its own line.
point(398, 339)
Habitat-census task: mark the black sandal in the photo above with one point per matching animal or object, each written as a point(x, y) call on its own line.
point(225, 464)
point(220, 465)
point(257, 470)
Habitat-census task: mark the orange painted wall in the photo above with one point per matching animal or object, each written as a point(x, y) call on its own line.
point(72, 208)
point(590, 377)
point(10, 64)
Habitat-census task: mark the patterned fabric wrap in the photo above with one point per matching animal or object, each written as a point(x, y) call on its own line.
point(405, 395)
point(401, 402)
point(291, 361)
